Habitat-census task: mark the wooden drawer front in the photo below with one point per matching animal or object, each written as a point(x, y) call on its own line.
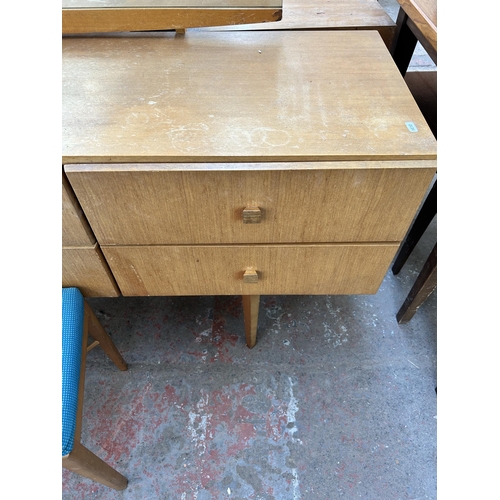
point(219, 270)
point(86, 269)
point(158, 207)
point(75, 229)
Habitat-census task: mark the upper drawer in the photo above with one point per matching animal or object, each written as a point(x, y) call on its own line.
point(75, 228)
point(183, 204)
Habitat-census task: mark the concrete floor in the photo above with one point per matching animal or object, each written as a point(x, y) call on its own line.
point(335, 401)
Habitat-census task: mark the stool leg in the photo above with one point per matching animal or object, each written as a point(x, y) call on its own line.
point(97, 332)
point(251, 315)
point(422, 288)
point(86, 464)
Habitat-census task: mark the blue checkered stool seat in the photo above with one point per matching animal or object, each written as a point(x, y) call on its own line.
point(72, 338)
point(78, 323)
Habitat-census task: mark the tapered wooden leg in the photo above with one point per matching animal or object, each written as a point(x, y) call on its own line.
point(422, 288)
point(97, 332)
point(251, 314)
point(85, 463)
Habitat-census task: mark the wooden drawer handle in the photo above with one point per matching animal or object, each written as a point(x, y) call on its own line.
point(250, 276)
point(251, 215)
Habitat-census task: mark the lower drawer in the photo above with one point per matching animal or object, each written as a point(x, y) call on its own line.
point(86, 269)
point(220, 270)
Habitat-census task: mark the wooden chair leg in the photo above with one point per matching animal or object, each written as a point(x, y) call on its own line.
point(403, 43)
point(251, 315)
point(422, 221)
point(80, 459)
point(97, 332)
point(85, 463)
point(424, 285)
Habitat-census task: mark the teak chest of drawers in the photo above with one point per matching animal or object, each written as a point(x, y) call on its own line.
point(243, 163)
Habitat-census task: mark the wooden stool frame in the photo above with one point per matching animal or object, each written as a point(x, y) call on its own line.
point(80, 459)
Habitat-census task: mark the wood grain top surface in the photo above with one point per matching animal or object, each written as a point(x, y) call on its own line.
point(103, 4)
point(328, 14)
point(237, 97)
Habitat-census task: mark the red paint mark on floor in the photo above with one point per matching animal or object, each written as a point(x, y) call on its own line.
point(216, 335)
point(277, 421)
point(217, 413)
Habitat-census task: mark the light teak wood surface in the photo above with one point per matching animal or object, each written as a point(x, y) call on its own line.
point(159, 205)
point(251, 317)
point(325, 14)
point(116, 20)
point(75, 228)
point(219, 270)
point(186, 4)
point(91, 16)
point(87, 269)
point(167, 139)
point(301, 14)
point(271, 96)
point(83, 264)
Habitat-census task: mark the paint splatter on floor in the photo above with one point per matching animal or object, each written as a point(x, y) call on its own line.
point(303, 415)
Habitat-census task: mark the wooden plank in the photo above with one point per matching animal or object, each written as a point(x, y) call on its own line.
point(274, 96)
point(76, 21)
point(129, 206)
point(325, 14)
point(218, 270)
point(249, 166)
point(341, 14)
point(75, 228)
point(86, 268)
point(185, 4)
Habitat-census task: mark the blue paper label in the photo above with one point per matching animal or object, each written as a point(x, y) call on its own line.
point(411, 127)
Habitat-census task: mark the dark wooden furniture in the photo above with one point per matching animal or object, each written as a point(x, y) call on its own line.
point(422, 288)
point(416, 22)
point(423, 86)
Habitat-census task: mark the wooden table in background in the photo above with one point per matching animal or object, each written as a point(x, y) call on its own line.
point(417, 22)
point(327, 15)
point(103, 16)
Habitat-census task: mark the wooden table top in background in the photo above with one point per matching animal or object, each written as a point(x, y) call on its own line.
point(300, 14)
point(237, 97)
point(424, 14)
point(95, 16)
